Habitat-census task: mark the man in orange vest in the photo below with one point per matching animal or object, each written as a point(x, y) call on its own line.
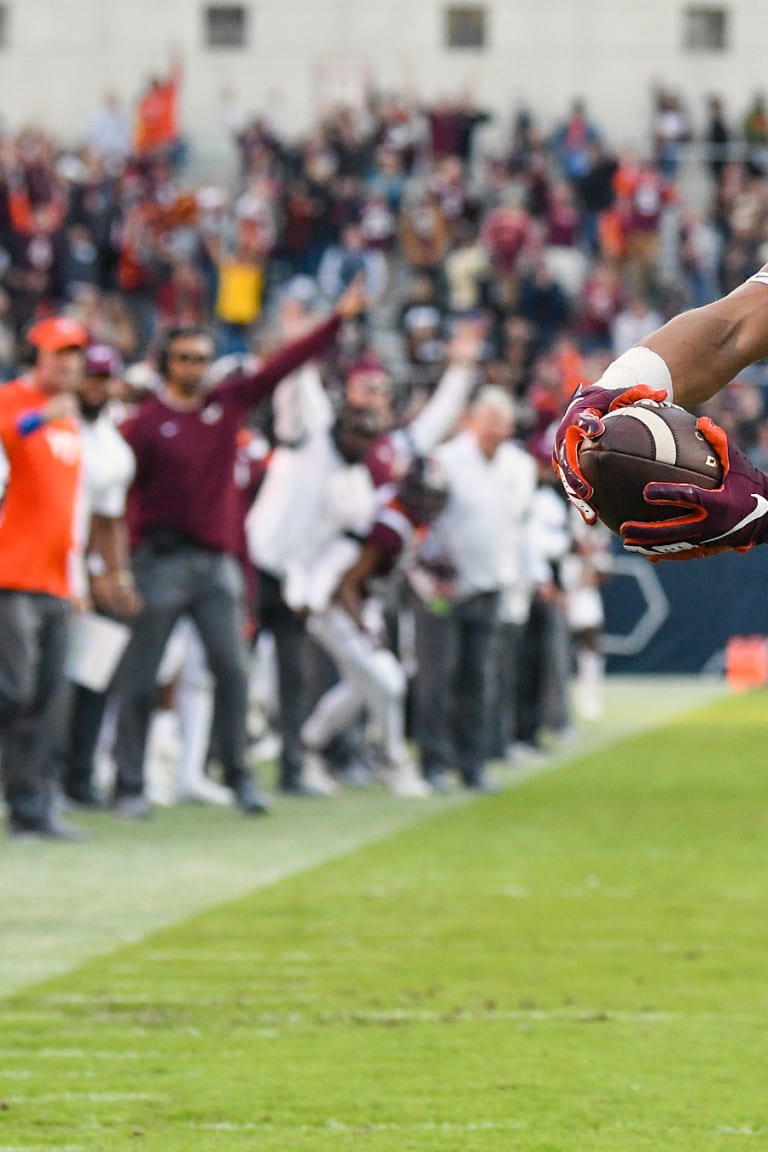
point(40, 437)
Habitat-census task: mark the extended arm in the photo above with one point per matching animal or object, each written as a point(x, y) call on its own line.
point(705, 348)
point(439, 415)
point(254, 386)
point(688, 360)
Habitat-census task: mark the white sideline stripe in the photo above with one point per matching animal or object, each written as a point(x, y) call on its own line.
point(426, 1126)
point(74, 1053)
point(91, 1097)
point(28, 1073)
point(664, 441)
point(369, 1126)
point(275, 1021)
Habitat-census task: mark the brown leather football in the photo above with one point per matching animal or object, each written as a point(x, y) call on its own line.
point(643, 442)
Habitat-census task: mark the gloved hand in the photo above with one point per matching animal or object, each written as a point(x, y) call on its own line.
point(733, 516)
point(583, 420)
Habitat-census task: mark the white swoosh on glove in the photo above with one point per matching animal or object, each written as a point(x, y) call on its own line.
point(760, 509)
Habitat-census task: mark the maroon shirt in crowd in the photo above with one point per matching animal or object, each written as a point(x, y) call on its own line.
point(185, 459)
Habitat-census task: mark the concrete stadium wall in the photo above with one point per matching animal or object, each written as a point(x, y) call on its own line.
point(59, 57)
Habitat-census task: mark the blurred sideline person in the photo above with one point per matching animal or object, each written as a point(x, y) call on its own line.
point(686, 361)
point(456, 601)
point(372, 675)
point(545, 658)
point(108, 468)
point(290, 532)
point(40, 437)
point(186, 521)
point(517, 573)
point(585, 570)
point(304, 534)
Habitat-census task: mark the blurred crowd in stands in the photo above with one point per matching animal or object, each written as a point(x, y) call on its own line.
point(526, 267)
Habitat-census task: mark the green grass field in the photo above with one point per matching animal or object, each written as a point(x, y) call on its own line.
point(577, 964)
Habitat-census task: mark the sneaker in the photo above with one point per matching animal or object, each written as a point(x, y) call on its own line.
point(403, 779)
point(205, 791)
point(81, 796)
point(356, 774)
point(267, 747)
point(315, 775)
point(249, 800)
point(479, 782)
point(524, 753)
point(50, 828)
point(301, 790)
point(132, 808)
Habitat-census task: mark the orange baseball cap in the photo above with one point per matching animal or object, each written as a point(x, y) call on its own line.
point(56, 333)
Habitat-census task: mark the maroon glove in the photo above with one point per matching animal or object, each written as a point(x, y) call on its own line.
point(735, 515)
point(583, 420)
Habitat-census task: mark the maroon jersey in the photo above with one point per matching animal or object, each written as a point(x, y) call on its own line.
point(185, 459)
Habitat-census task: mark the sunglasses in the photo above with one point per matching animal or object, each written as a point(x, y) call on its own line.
point(191, 357)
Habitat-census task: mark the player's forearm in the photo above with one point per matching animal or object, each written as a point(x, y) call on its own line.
point(108, 544)
point(286, 360)
point(707, 347)
point(443, 409)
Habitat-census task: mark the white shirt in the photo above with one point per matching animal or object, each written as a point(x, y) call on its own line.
point(550, 531)
point(306, 523)
point(108, 469)
point(301, 405)
point(470, 533)
point(439, 415)
point(519, 478)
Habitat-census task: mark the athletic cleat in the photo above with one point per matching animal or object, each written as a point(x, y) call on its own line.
point(315, 775)
point(403, 779)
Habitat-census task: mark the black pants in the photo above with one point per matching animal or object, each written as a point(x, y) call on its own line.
point(86, 713)
point(290, 650)
point(33, 644)
point(454, 654)
point(208, 587)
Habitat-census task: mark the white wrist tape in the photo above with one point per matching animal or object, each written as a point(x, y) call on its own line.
point(637, 366)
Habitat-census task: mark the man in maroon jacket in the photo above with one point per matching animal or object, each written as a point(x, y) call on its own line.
point(185, 515)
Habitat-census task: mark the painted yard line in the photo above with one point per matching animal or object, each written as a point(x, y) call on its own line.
point(91, 1097)
point(276, 1021)
point(369, 1126)
point(40, 1148)
point(76, 1053)
point(130, 881)
point(365, 1126)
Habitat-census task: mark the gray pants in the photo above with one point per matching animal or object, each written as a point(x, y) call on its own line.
point(290, 650)
point(454, 654)
point(208, 587)
point(33, 644)
point(504, 726)
point(545, 657)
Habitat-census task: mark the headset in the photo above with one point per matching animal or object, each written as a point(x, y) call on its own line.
point(170, 337)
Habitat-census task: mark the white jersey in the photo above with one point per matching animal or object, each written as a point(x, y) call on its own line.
point(309, 518)
point(108, 469)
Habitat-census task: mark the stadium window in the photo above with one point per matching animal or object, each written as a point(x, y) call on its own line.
point(465, 27)
point(226, 26)
point(706, 29)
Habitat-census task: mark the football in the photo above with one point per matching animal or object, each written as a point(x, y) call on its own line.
point(643, 442)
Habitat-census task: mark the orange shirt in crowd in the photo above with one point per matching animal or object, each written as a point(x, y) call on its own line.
point(37, 517)
point(157, 116)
